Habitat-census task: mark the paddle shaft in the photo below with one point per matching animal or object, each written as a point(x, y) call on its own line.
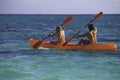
point(96, 17)
point(68, 19)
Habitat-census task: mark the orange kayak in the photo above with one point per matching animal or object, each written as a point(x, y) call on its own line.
point(72, 46)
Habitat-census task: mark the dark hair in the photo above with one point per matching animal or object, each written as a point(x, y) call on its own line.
point(58, 28)
point(91, 26)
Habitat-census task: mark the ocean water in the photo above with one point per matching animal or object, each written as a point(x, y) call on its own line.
point(19, 61)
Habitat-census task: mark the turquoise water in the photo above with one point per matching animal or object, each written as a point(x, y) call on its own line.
point(19, 61)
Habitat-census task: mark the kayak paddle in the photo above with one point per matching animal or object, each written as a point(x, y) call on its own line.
point(96, 17)
point(68, 19)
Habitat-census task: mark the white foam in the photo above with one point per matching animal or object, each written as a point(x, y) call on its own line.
point(43, 48)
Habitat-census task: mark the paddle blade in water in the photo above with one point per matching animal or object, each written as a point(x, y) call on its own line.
point(67, 41)
point(37, 44)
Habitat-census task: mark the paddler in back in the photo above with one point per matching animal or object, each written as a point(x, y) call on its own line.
point(90, 35)
point(60, 34)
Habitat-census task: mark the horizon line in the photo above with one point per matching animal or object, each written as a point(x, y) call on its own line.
point(53, 14)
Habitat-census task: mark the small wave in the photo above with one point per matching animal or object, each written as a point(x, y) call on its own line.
point(109, 40)
point(43, 48)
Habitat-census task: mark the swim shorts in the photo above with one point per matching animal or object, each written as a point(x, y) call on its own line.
point(85, 41)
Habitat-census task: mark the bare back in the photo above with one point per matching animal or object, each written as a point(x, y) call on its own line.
point(91, 35)
point(61, 36)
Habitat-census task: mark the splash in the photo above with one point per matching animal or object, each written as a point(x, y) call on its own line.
point(43, 48)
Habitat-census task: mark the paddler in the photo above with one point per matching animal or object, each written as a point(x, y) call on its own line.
point(90, 36)
point(60, 34)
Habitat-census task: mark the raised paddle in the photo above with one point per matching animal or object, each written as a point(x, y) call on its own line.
point(96, 17)
point(68, 19)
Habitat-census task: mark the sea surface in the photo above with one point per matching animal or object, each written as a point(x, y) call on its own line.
point(19, 61)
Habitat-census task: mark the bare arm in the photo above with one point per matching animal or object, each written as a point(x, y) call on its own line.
point(52, 34)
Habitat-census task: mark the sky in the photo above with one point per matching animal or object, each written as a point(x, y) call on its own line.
point(59, 6)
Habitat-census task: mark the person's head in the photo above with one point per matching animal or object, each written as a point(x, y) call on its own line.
point(90, 26)
point(58, 28)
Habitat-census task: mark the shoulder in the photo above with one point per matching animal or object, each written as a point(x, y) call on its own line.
point(62, 30)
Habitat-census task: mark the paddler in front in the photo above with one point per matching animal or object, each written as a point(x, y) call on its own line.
point(60, 34)
point(90, 36)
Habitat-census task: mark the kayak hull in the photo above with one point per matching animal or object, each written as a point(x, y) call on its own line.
point(72, 46)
